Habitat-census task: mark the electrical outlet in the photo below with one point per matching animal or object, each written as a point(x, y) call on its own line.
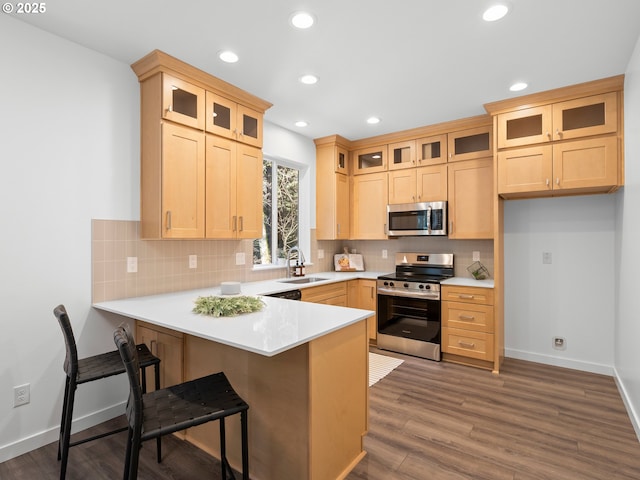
point(353, 250)
point(193, 261)
point(546, 258)
point(132, 264)
point(559, 343)
point(21, 395)
point(476, 256)
point(320, 254)
point(384, 253)
point(240, 258)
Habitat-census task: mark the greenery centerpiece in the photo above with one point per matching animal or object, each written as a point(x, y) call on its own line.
point(216, 306)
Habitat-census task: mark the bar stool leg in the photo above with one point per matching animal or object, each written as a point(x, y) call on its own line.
point(66, 434)
point(245, 445)
point(223, 450)
point(64, 414)
point(159, 439)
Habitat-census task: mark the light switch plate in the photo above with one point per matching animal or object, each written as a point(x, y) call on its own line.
point(320, 254)
point(193, 261)
point(132, 264)
point(476, 256)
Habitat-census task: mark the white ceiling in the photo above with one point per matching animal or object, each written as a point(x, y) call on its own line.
point(411, 62)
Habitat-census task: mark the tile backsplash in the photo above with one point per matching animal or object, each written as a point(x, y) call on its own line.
point(163, 265)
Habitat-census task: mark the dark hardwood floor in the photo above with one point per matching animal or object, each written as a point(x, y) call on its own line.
point(429, 421)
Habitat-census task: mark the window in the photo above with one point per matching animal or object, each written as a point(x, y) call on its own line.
point(281, 213)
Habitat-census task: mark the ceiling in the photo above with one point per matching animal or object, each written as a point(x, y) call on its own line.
point(410, 62)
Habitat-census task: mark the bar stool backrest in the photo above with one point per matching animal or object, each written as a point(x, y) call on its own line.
point(127, 348)
point(71, 359)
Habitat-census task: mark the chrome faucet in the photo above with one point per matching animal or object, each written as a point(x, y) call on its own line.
point(300, 258)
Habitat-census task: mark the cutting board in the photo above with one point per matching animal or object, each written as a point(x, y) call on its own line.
point(348, 262)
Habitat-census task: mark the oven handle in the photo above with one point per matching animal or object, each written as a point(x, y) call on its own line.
point(403, 293)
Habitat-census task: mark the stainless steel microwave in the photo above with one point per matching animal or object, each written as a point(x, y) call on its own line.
point(414, 219)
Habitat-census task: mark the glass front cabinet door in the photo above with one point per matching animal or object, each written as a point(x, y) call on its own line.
point(182, 102)
point(229, 119)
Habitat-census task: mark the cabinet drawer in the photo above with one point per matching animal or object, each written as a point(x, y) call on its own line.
point(323, 293)
point(467, 317)
point(467, 343)
point(483, 296)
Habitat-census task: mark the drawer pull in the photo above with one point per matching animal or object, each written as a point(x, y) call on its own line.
point(467, 318)
point(466, 345)
point(466, 296)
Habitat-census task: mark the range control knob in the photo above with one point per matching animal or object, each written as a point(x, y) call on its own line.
point(420, 286)
point(386, 284)
point(391, 284)
point(428, 287)
point(406, 285)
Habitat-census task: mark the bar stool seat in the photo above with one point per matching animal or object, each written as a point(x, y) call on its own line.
point(89, 369)
point(175, 408)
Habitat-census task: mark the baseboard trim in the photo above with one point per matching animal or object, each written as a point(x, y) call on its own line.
point(40, 439)
point(633, 414)
point(560, 362)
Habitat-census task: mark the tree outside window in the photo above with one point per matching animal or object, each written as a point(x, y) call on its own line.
point(280, 226)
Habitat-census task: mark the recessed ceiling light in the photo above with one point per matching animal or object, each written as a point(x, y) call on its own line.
point(494, 13)
point(308, 79)
point(302, 20)
point(228, 56)
point(301, 123)
point(516, 87)
point(373, 120)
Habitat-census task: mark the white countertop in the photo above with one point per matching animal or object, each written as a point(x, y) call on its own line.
point(279, 326)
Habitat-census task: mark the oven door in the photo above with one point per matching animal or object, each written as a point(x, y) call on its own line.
point(410, 325)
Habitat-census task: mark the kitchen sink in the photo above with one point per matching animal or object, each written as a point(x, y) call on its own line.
point(303, 280)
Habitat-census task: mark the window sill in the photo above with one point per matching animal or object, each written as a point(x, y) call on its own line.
point(272, 266)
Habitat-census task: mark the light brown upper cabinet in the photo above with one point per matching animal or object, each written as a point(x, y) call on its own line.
point(182, 102)
point(332, 190)
point(581, 117)
point(431, 150)
point(402, 155)
point(369, 160)
point(369, 206)
point(471, 199)
point(422, 184)
point(193, 186)
point(470, 144)
point(233, 189)
point(233, 120)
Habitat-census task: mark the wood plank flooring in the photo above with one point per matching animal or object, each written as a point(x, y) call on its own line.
point(429, 421)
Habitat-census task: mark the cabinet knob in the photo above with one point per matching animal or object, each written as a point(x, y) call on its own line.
point(558, 133)
point(235, 223)
point(548, 134)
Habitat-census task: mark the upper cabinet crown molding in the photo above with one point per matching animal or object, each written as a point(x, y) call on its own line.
point(158, 61)
point(585, 89)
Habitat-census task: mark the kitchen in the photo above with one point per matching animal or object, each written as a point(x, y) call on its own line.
point(47, 258)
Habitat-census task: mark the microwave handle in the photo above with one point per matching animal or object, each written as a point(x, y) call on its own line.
point(428, 219)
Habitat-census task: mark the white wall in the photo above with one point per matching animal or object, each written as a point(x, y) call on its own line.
point(627, 338)
point(574, 296)
point(69, 142)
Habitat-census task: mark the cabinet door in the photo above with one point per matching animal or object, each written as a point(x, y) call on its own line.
point(524, 127)
point(341, 158)
point(368, 300)
point(471, 199)
point(470, 144)
point(342, 206)
point(169, 349)
point(582, 117)
point(525, 170)
point(249, 124)
point(183, 172)
point(370, 193)
point(182, 102)
point(402, 186)
point(221, 115)
point(249, 191)
point(221, 221)
point(585, 163)
point(369, 160)
point(402, 155)
point(431, 150)
point(431, 183)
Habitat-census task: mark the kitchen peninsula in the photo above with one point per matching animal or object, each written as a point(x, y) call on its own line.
point(302, 368)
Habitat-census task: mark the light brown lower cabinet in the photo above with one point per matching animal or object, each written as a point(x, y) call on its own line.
point(362, 294)
point(329, 294)
point(168, 346)
point(468, 325)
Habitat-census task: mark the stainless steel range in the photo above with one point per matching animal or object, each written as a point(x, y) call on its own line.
point(409, 319)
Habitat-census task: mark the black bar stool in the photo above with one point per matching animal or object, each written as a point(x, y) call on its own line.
point(175, 408)
point(86, 370)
